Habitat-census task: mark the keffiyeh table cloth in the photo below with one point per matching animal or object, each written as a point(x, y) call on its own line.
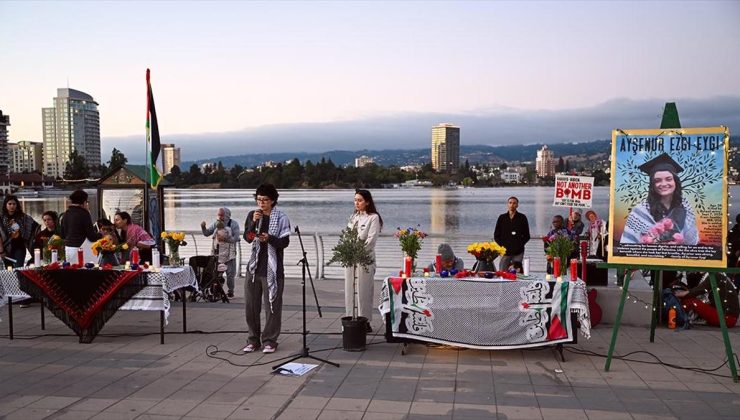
point(484, 314)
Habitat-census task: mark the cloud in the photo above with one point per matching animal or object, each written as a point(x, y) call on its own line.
point(495, 126)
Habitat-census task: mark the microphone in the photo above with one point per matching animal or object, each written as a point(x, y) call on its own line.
point(258, 229)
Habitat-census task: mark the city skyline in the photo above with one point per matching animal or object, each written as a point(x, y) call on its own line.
point(252, 68)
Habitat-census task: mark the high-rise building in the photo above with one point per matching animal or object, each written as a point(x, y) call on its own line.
point(363, 161)
point(73, 124)
point(445, 148)
point(26, 156)
point(170, 158)
point(4, 164)
point(545, 163)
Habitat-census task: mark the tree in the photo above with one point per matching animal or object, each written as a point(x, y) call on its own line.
point(76, 168)
point(117, 159)
point(560, 167)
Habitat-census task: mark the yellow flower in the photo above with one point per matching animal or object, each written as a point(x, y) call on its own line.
point(124, 247)
point(164, 235)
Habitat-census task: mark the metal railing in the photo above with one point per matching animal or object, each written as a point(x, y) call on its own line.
point(387, 253)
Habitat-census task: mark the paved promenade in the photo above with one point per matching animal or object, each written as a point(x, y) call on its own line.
point(134, 377)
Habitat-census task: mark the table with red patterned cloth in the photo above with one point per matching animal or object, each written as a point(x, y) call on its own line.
point(86, 299)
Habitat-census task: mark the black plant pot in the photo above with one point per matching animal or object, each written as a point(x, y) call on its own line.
point(353, 333)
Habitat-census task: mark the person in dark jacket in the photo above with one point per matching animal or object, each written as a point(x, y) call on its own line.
point(267, 229)
point(512, 232)
point(18, 231)
point(77, 227)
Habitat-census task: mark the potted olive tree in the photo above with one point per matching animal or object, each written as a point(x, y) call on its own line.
point(350, 252)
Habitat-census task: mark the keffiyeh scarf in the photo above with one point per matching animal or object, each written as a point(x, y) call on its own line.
point(279, 227)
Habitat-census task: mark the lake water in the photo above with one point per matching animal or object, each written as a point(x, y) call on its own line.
point(446, 213)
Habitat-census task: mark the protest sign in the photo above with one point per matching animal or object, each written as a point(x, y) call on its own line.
point(573, 191)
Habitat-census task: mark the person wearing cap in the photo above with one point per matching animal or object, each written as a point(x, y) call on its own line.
point(665, 212)
point(449, 259)
point(596, 234)
point(511, 232)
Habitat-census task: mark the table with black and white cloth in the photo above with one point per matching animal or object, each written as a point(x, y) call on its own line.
point(153, 296)
point(489, 314)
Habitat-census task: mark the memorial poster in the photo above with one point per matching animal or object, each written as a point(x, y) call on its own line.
point(669, 199)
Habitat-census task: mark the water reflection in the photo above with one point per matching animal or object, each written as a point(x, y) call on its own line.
point(469, 211)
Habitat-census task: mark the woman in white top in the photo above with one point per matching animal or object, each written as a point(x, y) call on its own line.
point(368, 223)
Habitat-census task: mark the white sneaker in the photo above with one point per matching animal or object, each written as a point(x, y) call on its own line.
point(250, 348)
point(269, 348)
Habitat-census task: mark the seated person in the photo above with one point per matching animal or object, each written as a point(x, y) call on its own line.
point(516, 267)
point(708, 311)
point(449, 260)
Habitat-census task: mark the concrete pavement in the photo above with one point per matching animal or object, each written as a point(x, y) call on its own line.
point(124, 376)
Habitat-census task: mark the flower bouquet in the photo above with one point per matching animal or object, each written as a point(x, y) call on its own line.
point(485, 253)
point(410, 240)
point(105, 248)
point(55, 243)
point(173, 241)
point(664, 232)
point(559, 245)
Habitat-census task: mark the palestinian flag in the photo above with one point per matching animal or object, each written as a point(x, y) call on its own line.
point(152, 136)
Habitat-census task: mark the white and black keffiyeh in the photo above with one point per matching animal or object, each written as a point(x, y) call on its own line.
point(279, 227)
point(640, 221)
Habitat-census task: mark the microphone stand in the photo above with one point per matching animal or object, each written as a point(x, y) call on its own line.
point(305, 269)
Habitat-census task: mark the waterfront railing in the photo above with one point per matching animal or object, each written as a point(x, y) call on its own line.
point(389, 258)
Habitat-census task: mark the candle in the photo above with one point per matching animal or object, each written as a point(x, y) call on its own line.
point(438, 263)
point(37, 257)
point(155, 258)
point(407, 262)
point(128, 265)
point(10, 268)
point(80, 256)
point(54, 255)
point(573, 269)
point(556, 267)
point(525, 266)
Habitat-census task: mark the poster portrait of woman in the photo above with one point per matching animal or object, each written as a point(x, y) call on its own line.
point(665, 216)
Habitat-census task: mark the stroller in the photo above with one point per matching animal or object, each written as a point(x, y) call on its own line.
point(210, 279)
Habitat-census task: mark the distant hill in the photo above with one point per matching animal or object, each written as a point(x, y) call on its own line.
point(400, 157)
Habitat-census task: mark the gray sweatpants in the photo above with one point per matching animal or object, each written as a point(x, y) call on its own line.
point(230, 273)
point(255, 295)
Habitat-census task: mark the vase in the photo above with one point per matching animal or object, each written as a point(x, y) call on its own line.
point(108, 257)
point(484, 265)
point(174, 256)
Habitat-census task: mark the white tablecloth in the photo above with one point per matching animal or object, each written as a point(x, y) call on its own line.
point(152, 298)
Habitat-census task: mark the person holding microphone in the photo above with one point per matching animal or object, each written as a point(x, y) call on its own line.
point(268, 230)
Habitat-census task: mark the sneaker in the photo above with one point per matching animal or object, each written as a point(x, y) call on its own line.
point(251, 348)
point(269, 348)
point(230, 294)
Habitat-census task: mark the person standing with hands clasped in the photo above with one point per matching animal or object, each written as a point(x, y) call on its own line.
point(368, 223)
point(268, 230)
point(512, 232)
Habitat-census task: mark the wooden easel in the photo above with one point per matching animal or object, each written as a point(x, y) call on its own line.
point(628, 268)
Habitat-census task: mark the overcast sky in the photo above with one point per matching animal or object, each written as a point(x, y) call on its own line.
point(301, 75)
